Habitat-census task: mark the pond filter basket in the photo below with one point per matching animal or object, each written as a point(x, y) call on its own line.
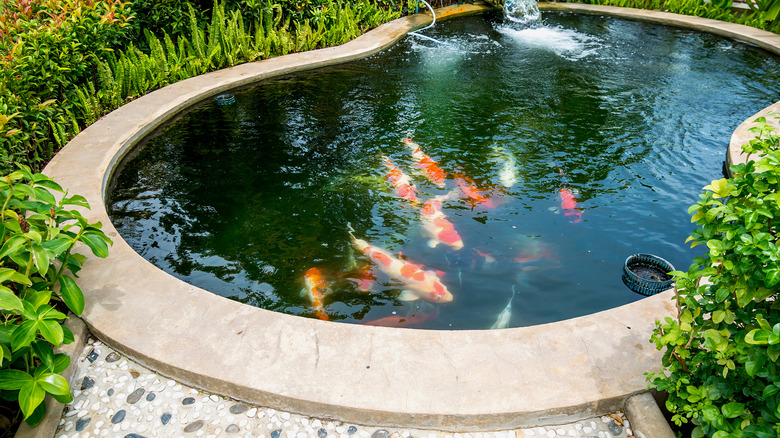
point(225, 99)
point(647, 274)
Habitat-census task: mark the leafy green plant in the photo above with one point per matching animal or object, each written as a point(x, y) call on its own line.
point(720, 362)
point(37, 266)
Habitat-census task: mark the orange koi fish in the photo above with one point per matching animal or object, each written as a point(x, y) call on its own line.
point(469, 189)
point(437, 227)
point(413, 320)
point(426, 164)
point(420, 283)
point(315, 289)
point(401, 183)
point(569, 204)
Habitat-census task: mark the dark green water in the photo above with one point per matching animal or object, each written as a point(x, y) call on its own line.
point(632, 118)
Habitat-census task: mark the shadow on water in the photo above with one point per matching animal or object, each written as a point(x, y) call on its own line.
point(590, 137)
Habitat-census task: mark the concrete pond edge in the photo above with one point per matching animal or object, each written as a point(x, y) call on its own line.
point(443, 380)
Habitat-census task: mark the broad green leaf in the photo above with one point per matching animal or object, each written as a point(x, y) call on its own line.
point(758, 337)
point(72, 295)
point(24, 335)
point(39, 298)
point(718, 316)
point(75, 200)
point(40, 259)
point(718, 187)
point(37, 415)
point(30, 396)
point(44, 352)
point(58, 245)
point(12, 245)
point(67, 335)
point(96, 243)
point(732, 410)
point(51, 331)
point(61, 362)
point(13, 379)
point(9, 301)
point(49, 184)
point(721, 434)
point(44, 195)
point(6, 330)
point(55, 384)
point(770, 390)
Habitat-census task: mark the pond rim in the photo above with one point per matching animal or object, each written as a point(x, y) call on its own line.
point(445, 380)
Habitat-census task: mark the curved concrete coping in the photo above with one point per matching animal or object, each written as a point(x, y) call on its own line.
point(445, 380)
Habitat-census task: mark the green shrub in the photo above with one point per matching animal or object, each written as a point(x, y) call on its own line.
point(720, 364)
point(37, 266)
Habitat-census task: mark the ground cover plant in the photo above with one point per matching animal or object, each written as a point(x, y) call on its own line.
point(720, 362)
point(37, 287)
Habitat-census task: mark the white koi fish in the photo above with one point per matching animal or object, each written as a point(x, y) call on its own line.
point(421, 284)
point(436, 226)
point(403, 186)
point(502, 321)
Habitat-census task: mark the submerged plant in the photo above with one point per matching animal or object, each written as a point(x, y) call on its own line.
point(37, 286)
point(720, 362)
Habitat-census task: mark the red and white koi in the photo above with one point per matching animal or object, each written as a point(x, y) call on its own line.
point(429, 167)
point(420, 283)
point(569, 204)
point(436, 226)
point(315, 289)
point(402, 185)
point(470, 190)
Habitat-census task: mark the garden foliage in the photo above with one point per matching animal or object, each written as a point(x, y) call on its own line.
point(721, 352)
point(37, 268)
point(61, 67)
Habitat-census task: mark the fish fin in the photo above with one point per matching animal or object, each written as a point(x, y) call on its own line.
point(303, 292)
point(408, 295)
point(432, 243)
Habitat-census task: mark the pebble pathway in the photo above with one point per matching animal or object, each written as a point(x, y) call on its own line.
point(115, 397)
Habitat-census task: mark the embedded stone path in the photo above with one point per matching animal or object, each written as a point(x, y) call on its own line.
point(116, 397)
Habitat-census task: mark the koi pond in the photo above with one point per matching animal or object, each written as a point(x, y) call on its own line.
point(497, 180)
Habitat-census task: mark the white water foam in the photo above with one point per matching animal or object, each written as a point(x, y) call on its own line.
point(566, 43)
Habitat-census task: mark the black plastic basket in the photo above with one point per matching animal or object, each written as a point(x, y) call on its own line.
point(647, 274)
point(225, 99)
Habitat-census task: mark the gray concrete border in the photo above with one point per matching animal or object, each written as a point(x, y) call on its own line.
point(444, 380)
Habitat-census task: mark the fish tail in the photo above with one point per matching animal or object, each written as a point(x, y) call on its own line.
point(350, 230)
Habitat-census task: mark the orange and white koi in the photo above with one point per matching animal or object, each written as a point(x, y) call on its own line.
point(401, 183)
point(569, 204)
point(436, 226)
point(420, 283)
point(429, 167)
point(469, 189)
point(315, 289)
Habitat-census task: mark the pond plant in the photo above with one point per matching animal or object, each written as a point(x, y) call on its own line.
point(720, 361)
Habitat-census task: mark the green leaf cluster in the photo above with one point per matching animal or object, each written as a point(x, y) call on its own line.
point(720, 361)
point(38, 233)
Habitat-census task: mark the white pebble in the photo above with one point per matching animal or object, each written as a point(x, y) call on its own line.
point(198, 406)
point(195, 415)
point(341, 429)
point(285, 415)
point(626, 424)
point(290, 434)
point(251, 413)
point(628, 432)
point(243, 423)
point(578, 426)
point(528, 432)
point(125, 425)
point(82, 414)
point(171, 383)
point(305, 422)
point(177, 387)
point(573, 432)
point(587, 429)
point(214, 398)
point(560, 432)
point(315, 423)
point(301, 435)
point(271, 412)
point(551, 434)
point(605, 419)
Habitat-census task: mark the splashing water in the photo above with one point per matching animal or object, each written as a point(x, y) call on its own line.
point(522, 11)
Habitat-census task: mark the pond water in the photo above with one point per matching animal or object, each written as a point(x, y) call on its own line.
point(565, 147)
